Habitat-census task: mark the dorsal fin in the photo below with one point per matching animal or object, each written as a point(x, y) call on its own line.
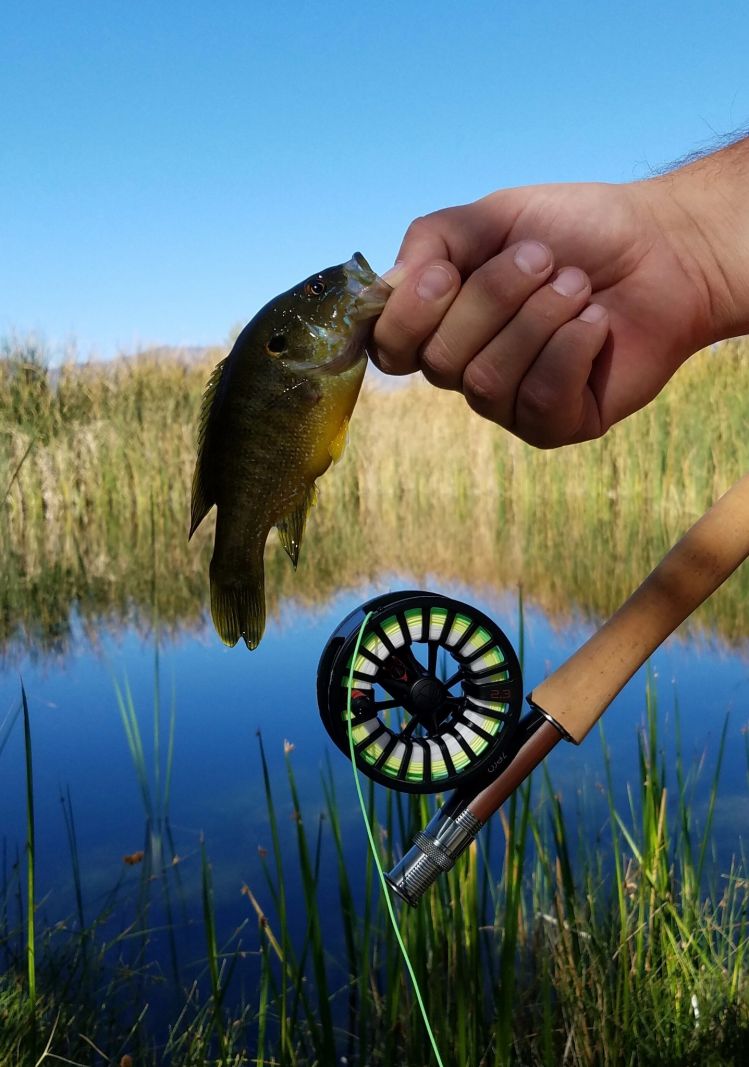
point(203, 494)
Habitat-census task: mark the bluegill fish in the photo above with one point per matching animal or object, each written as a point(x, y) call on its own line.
point(274, 417)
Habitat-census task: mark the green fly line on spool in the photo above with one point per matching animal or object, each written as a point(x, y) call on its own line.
point(413, 728)
point(375, 854)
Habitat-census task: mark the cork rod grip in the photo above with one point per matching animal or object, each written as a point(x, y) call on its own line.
point(578, 693)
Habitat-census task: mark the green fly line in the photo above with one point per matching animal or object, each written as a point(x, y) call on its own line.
point(375, 855)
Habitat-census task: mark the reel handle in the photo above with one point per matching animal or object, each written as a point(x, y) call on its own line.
point(577, 694)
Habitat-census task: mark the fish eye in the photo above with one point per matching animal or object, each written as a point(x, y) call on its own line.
point(276, 345)
point(316, 287)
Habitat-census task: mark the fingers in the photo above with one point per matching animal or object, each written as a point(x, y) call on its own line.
point(493, 376)
point(466, 236)
point(553, 403)
point(499, 323)
point(457, 239)
point(414, 309)
point(420, 326)
point(492, 297)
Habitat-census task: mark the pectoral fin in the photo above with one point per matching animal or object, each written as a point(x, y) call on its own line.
point(291, 528)
point(337, 446)
point(203, 493)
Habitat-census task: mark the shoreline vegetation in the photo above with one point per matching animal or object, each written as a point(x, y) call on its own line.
point(548, 944)
point(543, 946)
point(96, 463)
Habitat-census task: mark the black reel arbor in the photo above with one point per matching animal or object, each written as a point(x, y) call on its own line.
point(436, 694)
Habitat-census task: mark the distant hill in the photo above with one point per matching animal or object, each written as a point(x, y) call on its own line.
point(187, 354)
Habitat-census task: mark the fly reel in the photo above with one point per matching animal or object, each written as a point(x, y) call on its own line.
point(436, 691)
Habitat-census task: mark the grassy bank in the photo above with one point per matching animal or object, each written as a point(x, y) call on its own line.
point(96, 462)
point(539, 948)
point(547, 945)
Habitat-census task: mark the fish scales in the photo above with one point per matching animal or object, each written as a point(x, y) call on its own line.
point(274, 417)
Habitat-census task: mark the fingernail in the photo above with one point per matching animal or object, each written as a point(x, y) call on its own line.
point(532, 257)
point(570, 282)
point(593, 313)
point(434, 283)
point(395, 275)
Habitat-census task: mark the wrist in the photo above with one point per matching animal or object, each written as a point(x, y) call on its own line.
point(703, 210)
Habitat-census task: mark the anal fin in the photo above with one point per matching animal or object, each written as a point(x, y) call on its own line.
point(291, 527)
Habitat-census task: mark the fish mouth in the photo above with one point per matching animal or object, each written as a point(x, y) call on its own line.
point(371, 301)
point(370, 292)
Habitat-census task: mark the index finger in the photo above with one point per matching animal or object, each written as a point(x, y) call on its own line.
point(467, 235)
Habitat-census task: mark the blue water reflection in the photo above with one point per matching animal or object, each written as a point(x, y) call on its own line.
point(224, 696)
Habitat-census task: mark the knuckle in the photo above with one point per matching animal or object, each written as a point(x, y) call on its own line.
point(445, 219)
point(543, 417)
point(541, 319)
point(421, 227)
point(537, 402)
point(491, 281)
point(481, 390)
point(388, 363)
point(397, 331)
point(546, 313)
point(437, 228)
point(438, 362)
point(394, 354)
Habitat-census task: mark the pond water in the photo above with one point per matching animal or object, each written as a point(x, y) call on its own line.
point(222, 697)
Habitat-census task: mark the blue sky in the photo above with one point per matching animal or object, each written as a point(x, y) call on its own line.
point(166, 168)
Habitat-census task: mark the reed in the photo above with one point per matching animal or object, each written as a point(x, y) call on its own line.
point(538, 948)
point(98, 463)
point(214, 968)
point(606, 954)
point(30, 879)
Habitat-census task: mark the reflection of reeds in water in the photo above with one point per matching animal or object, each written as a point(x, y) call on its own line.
point(95, 515)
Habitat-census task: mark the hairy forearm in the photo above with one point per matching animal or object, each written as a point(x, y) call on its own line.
point(704, 207)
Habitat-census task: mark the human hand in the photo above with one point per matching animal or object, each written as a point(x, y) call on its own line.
point(556, 309)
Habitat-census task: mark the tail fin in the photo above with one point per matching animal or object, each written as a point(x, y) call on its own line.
point(238, 606)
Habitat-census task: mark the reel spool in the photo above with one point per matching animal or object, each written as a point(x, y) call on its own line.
point(418, 724)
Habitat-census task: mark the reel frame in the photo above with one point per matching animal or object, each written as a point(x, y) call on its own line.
point(449, 737)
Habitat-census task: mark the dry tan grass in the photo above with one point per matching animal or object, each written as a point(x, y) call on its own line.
point(426, 492)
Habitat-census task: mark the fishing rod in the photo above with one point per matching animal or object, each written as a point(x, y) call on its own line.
point(422, 730)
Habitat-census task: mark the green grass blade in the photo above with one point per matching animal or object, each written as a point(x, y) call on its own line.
point(69, 820)
point(326, 1051)
point(209, 922)
point(707, 831)
point(287, 1049)
point(30, 869)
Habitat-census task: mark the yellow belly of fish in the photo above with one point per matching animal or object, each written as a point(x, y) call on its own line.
point(330, 423)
